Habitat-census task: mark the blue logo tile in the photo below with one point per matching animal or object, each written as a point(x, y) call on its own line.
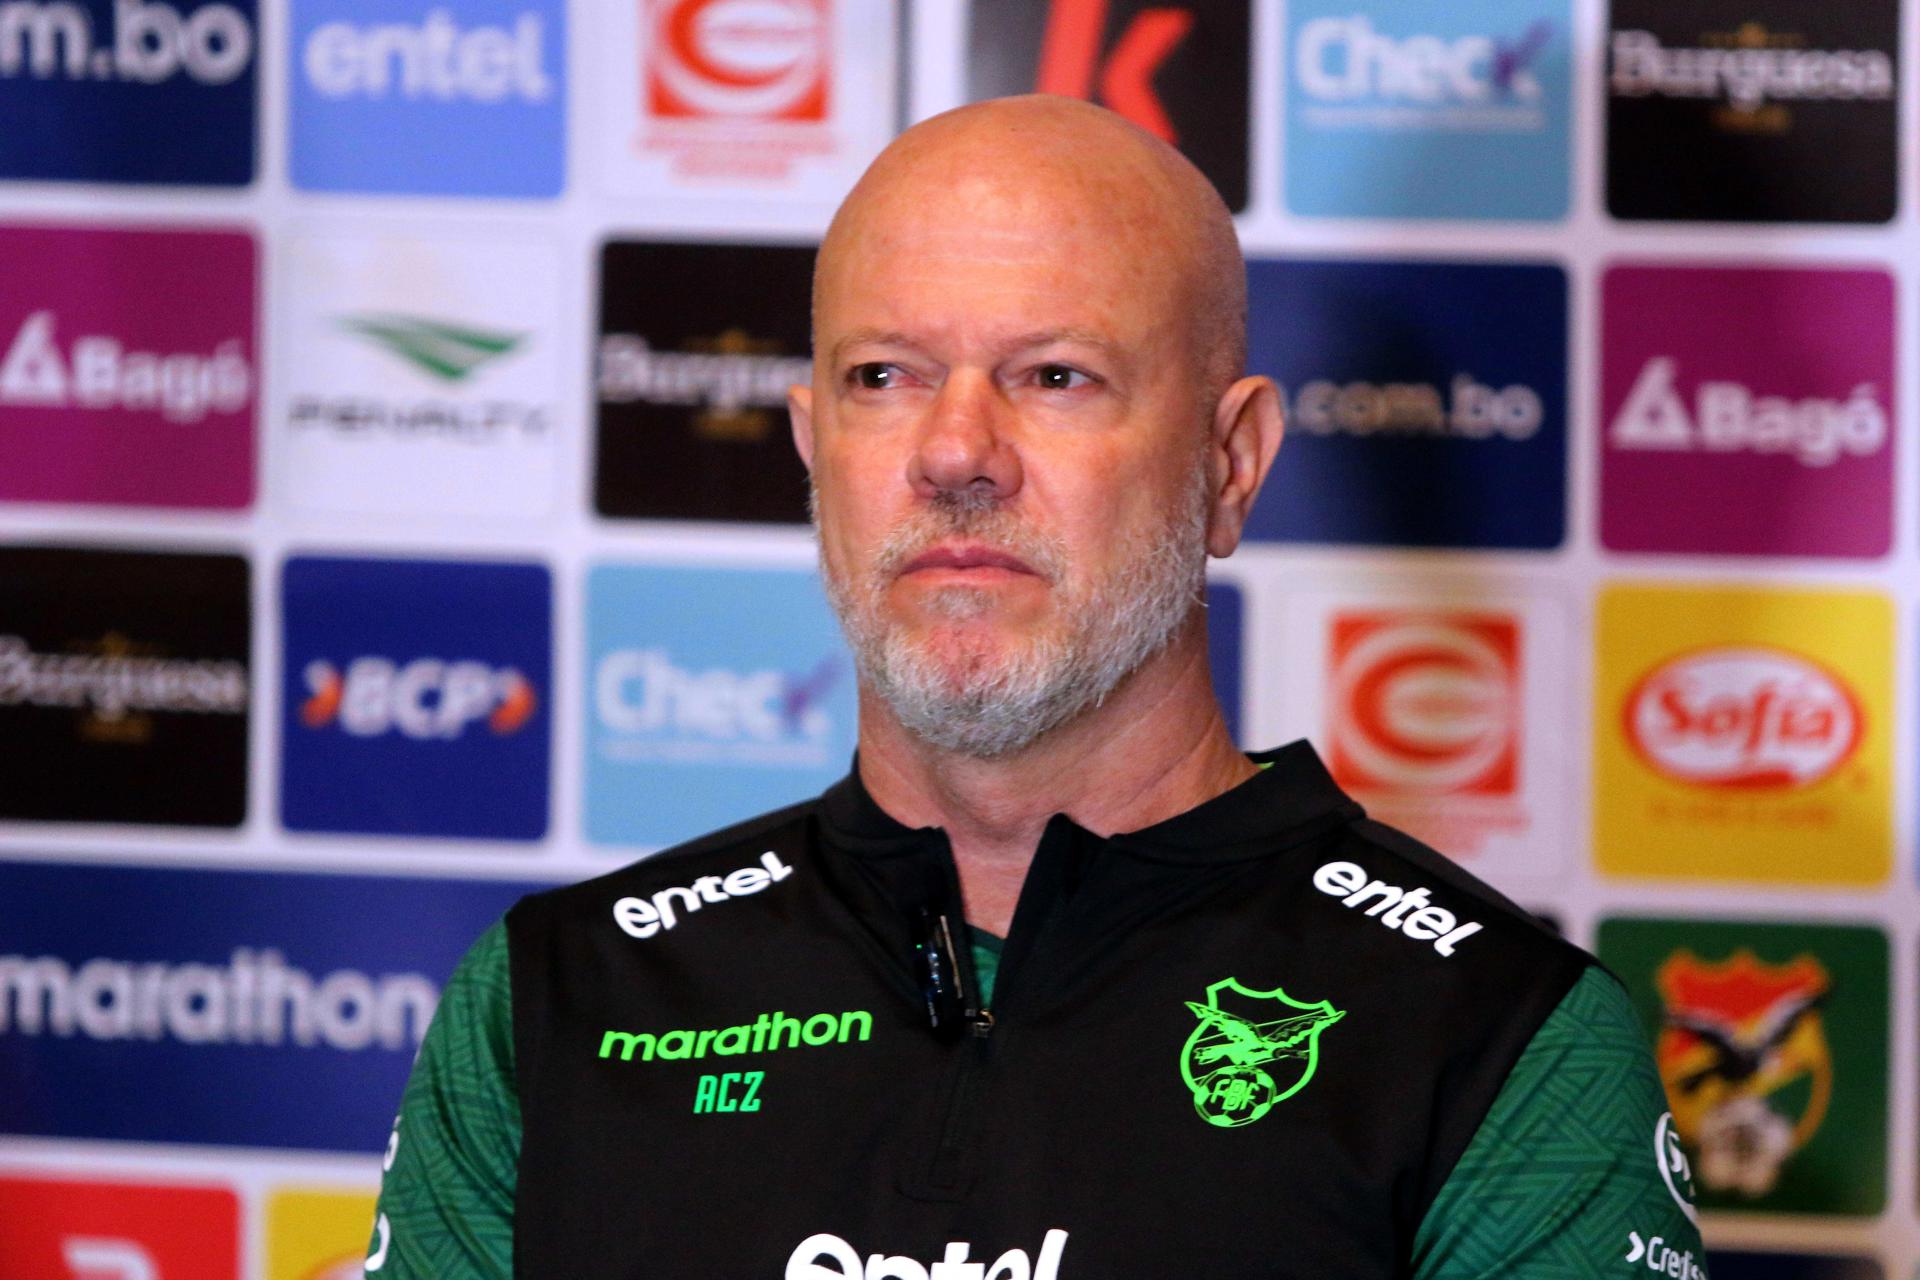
point(1426, 402)
point(712, 695)
point(415, 698)
point(421, 98)
point(1226, 632)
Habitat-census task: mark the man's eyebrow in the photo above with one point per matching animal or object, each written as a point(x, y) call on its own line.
point(1019, 342)
point(865, 337)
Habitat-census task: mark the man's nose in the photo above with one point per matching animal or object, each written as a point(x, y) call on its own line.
point(966, 442)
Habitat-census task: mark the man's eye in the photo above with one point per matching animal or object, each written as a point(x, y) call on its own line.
point(1060, 377)
point(875, 377)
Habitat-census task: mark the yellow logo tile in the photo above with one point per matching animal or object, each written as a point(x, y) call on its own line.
point(1744, 734)
point(318, 1235)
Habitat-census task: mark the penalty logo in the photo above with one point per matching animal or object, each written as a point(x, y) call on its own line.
point(1251, 1050)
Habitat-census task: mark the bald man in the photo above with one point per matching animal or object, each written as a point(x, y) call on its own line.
point(1058, 984)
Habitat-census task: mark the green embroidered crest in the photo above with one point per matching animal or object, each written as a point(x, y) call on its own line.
point(1226, 1059)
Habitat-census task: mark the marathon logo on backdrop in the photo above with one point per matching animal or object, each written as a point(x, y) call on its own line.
point(115, 1229)
point(1179, 71)
point(698, 346)
point(124, 686)
point(1448, 431)
point(1381, 94)
point(416, 698)
point(428, 98)
point(428, 379)
point(159, 1005)
point(127, 366)
point(1752, 110)
point(152, 91)
point(713, 694)
point(1721, 382)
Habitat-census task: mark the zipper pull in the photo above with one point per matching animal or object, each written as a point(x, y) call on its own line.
point(980, 1023)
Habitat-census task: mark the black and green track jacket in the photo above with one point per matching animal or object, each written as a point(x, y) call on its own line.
point(1265, 1038)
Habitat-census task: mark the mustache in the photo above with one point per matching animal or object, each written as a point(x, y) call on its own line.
point(977, 517)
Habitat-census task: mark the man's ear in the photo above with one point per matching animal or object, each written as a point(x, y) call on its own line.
point(1247, 426)
point(800, 410)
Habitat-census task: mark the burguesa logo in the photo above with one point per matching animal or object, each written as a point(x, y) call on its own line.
point(742, 59)
point(1743, 717)
point(1425, 703)
point(146, 43)
point(97, 371)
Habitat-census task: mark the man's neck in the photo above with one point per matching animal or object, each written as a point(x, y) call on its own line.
point(1155, 748)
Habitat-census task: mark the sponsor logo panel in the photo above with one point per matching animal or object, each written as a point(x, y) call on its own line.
point(124, 686)
point(776, 98)
point(1180, 71)
point(698, 345)
point(424, 98)
point(1444, 433)
point(1752, 110)
point(315, 1234)
point(62, 1228)
point(1718, 383)
point(712, 695)
point(1226, 639)
point(189, 1006)
point(830, 1257)
point(1743, 734)
point(128, 365)
point(428, 382)
point(147, 91)
point(1429, 110)
point(1772, 1041)
point(416, 698)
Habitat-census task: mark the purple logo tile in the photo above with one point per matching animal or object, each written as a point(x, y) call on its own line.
point(128, 366)
point(1747, 411)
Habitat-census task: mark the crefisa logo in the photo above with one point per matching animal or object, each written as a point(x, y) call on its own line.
point(1744, 716)
point(128, 90)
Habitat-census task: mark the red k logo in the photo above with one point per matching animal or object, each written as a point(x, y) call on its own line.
point(1070, 59)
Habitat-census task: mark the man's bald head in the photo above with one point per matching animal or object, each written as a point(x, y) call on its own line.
point(1120, 199)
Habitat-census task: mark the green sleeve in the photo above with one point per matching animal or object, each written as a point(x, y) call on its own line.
point(1564, 1177)
point(446, 1200)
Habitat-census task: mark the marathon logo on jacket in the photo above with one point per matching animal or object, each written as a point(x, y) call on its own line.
point(776, 98)
point(1379, 96)
point(1752, 110)
point(422, 97)
point(712, 694)
point(128, 367)
point(1445, 384)
point(428, 379)
point(110, 1228)
point(698, 345)
point(1744, 734)
point(148, 91)
point(187, 1006)
point(1180, 71)
point(416, 698)
point(1718, 383)
point(124, 686)
point(1772, 1042)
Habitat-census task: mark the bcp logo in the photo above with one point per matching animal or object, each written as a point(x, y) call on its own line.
point(1380, 94)
point(1425, 703)
point(428, 98)
point(128, 91)
point(712, 695)
point(739, 59)
point(127, 365)
point(1743, 717)
point(1718, 383)
point(415, 698)
point(1743, 734)
point(68, 1229)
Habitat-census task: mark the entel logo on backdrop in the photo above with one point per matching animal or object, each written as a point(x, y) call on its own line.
point(423, 699)
point(1729, 418)
point(437, 59)
point(150, 43)
point(97, 373)
point(758, 59)
point(1346, 60)
point(1745, 717)
point(761, 716)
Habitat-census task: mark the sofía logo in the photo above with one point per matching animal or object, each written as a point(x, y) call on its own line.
point(1225, 1061)
point(1743, 717)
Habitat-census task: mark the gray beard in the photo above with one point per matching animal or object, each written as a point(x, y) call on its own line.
point(987, 706)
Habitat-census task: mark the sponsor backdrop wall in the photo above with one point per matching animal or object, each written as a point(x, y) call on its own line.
point(397, 514)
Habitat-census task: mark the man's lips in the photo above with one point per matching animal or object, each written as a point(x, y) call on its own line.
point(966, 557)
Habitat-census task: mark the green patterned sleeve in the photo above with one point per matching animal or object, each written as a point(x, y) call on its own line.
point(446, 1200)
point(1572, 1173)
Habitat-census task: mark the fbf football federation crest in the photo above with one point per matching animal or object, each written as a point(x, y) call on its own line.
point(1251, 1050)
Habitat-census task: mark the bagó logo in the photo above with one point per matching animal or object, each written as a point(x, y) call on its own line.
point(422, 699)
point(1729, 418)
point(446, 351)
point(1743, 716)
point(754, 59)
point(1224, 1060)
point(97, 372)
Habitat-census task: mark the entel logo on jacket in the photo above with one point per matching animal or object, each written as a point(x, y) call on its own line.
point(805, 1264)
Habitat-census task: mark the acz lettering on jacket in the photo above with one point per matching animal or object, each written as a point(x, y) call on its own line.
point(1354, 887)
point(827, 1257)
point(644, 917)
